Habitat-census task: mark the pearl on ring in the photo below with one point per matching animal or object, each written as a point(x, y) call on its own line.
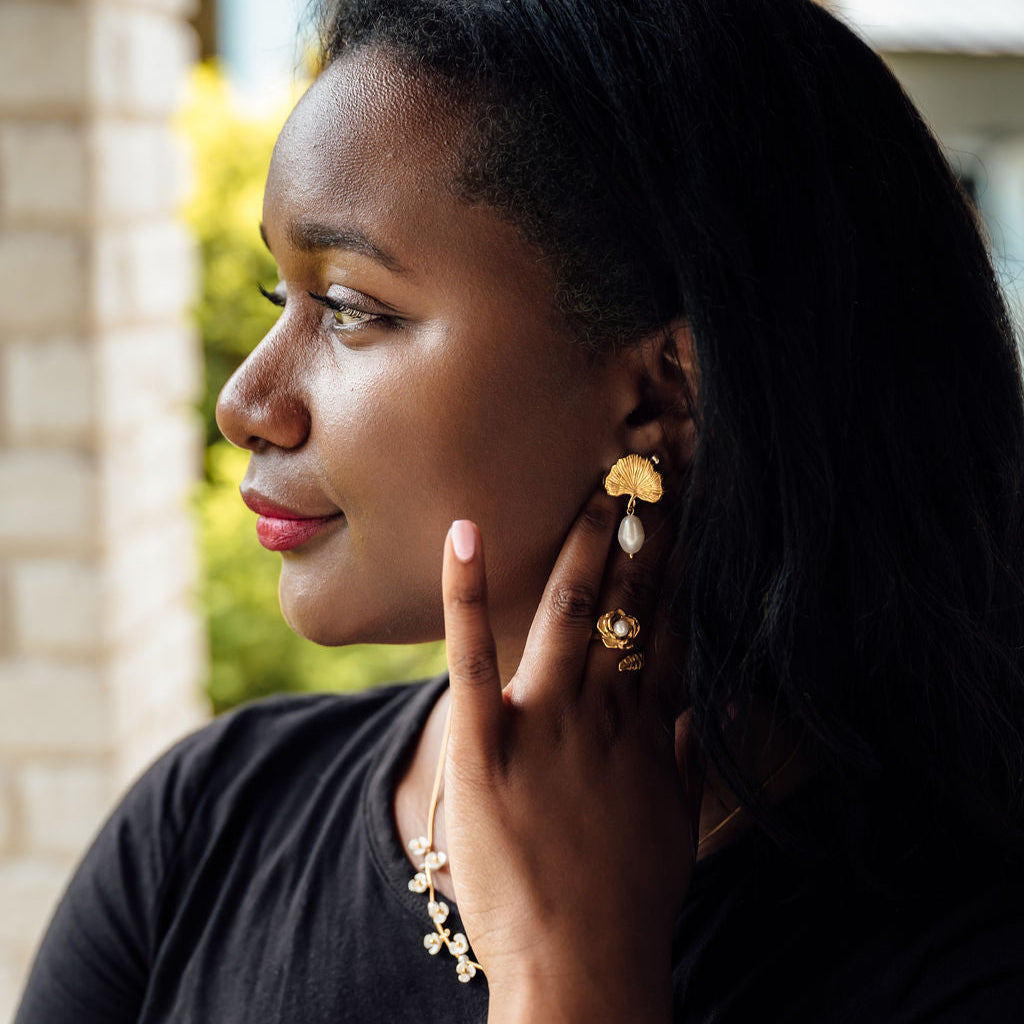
point(618, 630)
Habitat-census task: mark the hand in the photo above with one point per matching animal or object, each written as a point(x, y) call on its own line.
point(568, 823)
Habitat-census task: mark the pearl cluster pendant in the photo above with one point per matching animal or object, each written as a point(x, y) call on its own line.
point(438, 911)
point(636, 476)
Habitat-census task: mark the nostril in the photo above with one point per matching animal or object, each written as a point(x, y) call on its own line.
point(259, 406)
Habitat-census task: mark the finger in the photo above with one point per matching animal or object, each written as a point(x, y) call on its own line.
point(631, 586)
point(472, 660)
point(556, 649)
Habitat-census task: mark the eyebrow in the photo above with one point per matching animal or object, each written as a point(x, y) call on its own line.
point(312, 237)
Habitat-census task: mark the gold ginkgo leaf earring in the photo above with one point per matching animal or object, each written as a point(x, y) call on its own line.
point(636, 476)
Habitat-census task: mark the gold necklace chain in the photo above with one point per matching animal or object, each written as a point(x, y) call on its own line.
point(423, 881)
point(736, 810)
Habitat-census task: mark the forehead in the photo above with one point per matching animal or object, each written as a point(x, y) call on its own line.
point(370, 139)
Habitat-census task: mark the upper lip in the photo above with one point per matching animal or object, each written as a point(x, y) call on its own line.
point(263, 506)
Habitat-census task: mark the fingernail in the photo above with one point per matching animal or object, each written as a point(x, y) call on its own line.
point(463, 540)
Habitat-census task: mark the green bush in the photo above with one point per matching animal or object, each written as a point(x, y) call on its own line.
point(231, 153)
point(252, 651)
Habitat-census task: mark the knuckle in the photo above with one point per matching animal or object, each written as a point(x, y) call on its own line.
point(636, 590)
point(473, 665)
point(468, 596)
point(574, 602)
point(561, 726)
point(596, 518)
point(610, 722)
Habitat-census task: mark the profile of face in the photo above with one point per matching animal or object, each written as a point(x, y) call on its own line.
point(419, 371)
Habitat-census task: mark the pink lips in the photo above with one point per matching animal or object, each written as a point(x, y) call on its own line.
point(280, 529)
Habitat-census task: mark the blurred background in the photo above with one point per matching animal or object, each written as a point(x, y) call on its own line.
point(134, 599)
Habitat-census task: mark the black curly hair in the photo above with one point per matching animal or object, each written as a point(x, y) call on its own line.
point(851, 542)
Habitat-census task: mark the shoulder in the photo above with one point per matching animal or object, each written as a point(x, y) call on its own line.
point(968, 962)
point(279, 718)
point(211, 802)
point(300, 733)
point(813, 945)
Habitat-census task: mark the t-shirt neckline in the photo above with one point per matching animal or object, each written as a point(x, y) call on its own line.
point(386, 850)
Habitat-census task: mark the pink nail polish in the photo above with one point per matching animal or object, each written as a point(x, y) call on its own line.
point(463, 540)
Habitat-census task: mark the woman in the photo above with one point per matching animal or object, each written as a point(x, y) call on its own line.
point(519, 240)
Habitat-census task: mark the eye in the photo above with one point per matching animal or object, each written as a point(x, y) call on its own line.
point(344, 315)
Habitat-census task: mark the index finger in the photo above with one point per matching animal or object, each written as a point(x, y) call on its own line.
point(472, 660)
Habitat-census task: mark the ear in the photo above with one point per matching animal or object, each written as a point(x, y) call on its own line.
point(658, 394)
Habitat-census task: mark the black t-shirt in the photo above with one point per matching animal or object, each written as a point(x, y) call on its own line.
point(254, 876)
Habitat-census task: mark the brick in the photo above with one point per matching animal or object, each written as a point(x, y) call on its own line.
point(172, 660)
point(13, 969)
point(29, 891)
point(156, 733)
point(44, 275)
point(172, 654)
point(6, 623)
point(47, 390)
point(145, 272)
point(139, 60)
point(63, 804)
point(47, 501)
point(43, 63)
point(150, 572)
point(185, 8)
point(6, 813)
point(57, 606)
point(139, 168)
point(144, 370)
point(43, 171)
point(149, 473)
point(48, 707)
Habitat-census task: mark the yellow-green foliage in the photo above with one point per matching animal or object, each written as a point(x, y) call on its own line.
point(231, 153)
point(253, 652)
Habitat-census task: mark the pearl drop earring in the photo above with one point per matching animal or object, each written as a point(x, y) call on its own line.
point(636, 476)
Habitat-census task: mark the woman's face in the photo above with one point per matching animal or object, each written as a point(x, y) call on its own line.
point(419, 372)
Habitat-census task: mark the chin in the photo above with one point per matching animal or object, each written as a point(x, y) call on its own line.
point(333, 623)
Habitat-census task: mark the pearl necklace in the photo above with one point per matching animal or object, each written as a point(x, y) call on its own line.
point(432, 860)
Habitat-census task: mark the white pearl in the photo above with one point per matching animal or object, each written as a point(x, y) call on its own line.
point(621, 627)
point(631, 535)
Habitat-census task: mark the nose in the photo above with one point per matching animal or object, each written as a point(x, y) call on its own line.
point(264, 403)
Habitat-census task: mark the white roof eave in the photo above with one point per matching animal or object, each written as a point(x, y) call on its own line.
point(938, 26)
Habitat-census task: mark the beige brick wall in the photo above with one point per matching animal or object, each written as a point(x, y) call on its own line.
point(101, 651)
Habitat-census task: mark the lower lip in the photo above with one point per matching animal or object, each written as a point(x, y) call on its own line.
point(285, 534)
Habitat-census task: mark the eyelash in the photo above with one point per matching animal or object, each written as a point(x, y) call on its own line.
point(340, 307)
point(333, 304)
point(277, 300)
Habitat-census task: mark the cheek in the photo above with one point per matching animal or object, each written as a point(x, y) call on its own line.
point(518, 452)
point(407, 445)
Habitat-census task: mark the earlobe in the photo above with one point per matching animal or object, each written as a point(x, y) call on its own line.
point(663, 395)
